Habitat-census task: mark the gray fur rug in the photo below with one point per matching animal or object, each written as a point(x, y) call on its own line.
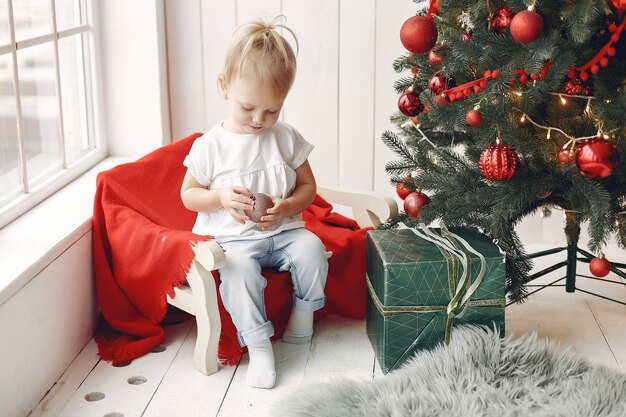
point(477, 374)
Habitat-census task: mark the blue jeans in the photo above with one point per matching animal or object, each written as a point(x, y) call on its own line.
point(242, 285)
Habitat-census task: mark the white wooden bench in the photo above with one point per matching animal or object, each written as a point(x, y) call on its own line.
point(199, 297)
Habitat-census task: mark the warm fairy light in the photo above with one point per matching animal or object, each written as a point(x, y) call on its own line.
point(548, 135)
point(523, 118)
point(605, 136)
point(563, 101)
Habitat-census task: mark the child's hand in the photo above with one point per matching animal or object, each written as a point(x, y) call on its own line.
point(235, 199)
point(281, 209)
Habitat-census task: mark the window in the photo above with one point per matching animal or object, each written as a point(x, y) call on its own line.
point(47, 123)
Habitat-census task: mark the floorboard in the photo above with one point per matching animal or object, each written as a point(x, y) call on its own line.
point(591, 327)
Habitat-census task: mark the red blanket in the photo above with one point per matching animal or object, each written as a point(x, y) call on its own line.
point(141, 251)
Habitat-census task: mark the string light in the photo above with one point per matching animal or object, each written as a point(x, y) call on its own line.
point(551, 128)
point(563, 101)
point(523, 118)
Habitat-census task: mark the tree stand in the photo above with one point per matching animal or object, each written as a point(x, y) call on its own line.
point(572, 231)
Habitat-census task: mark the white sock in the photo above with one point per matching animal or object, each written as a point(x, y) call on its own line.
point(261, 370)
point(299, 328)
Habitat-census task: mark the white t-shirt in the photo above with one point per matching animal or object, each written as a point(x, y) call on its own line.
point(263, 162)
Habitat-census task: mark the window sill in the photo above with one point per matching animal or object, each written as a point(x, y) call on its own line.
point(34, 240)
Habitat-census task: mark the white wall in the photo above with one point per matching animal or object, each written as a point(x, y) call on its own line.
point(44, 327)
point(134, 75)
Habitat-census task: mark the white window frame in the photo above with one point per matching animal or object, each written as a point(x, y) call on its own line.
point(33, 195)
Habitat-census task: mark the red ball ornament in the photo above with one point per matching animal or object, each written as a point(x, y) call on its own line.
point(414, 203)
point(418, 34)
point(596, 158)
point(438, 83)
point(466, 36)
point(474, 117)
point(409, 104)
point(500, 19)
point(498, 162)
point(526, 26)
point(565, 156)
point(434, 55)
point(600, 266)
point(401, 188)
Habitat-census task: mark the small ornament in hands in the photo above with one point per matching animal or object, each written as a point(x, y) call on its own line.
point(498, 162)
point(414, 203)
point(526, 26)
point(409, 104)
point(596, 158)
point(600, 266)
point(418, 34)
point(262, 202)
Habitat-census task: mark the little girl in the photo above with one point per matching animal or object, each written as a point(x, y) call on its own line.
point(252, 152)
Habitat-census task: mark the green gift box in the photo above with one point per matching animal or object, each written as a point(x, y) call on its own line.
point(417, 291)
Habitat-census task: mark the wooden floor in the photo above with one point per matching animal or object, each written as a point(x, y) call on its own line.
point(165, 384)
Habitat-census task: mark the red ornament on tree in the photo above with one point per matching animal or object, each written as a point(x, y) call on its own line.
point(498, 162)
point(596, 158)
point(402, 189)
point(418, 34)
point(474, 117)
point(500, 19)
point(565, 156)
point(466, 36)
point(600, 266)
point(434, 55)
point(409, 104)
point(414, 203)
point(438, 83)
point(526, 26)
point(576, 86)
point(620, 5)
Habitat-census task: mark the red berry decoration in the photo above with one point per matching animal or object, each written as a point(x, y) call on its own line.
point(526, 26)
point(500, 19)
point(596, 158)
point(418, 34)
point(600, 266)
point(409, 104)
point(474, 117)
point(402, 189)
point(565, 156)
point(498, 162)
point(414, 203)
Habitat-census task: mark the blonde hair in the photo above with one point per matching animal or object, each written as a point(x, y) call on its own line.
point(258, 50)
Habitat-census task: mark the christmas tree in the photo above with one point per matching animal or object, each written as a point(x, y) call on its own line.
point(508, 106)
